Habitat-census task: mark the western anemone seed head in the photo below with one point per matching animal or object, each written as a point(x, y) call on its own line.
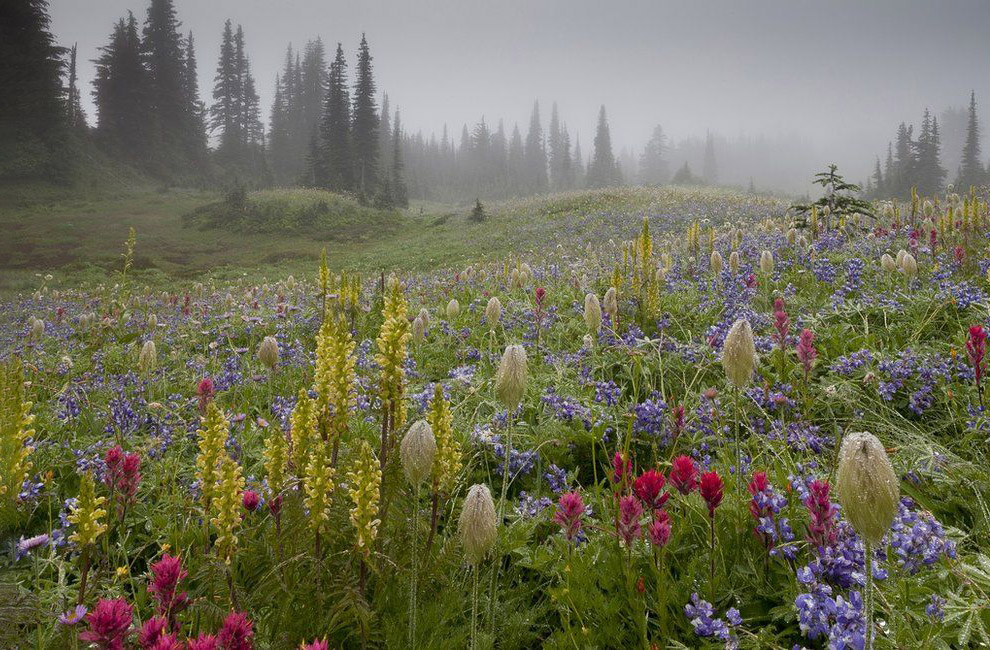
point(592, 313)
point(417, 450)
point(887, 263)
point(152, 322)
point(418, 330)
point(900, 257)
point(792, 236)
point(929, 208)
point(611, 303)
point(716, 262)
point(477, 525)
point(739, 353)
point(909, 265)
point(268, 352)
point(866, 486)
point(734, 262)
point(453, 309)
point(766, 262)
point(803, 242)
point(424, 315)
point(510, 379)
point(37, 330)
point(514, 278)
point(493, 311)
point(148, 357)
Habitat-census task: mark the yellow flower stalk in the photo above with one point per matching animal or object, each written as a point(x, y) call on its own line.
point(227, 508)
point(447, 464)
point(15, 423)
point(319, 485)
point(334, 375)
point(212, 438)
point(276, 460)
point(302, 425)
point(392, 343)
point(365, 479)
point(87, 514)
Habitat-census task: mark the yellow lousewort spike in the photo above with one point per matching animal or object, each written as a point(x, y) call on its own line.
point(227, 508)
point(318, 486)
point(365, 480)
point(86, 514)
point(392, 344)
point(334, 376)
point(302, 428)
point(212, 434)
point(448, 461)
point(15, 431)
point(276, 459)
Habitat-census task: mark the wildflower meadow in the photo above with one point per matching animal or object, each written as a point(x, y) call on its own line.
point(673, 418)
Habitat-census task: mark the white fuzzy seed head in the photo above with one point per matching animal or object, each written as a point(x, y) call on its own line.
point(716, 262)
point(478, 526)
point(739, 353)
point(493, 311)
point(268, 352)
point(887, 263)
point(148, 358)
point(510, 379)
point(734, 262)
point(417, 451)
point(611, 303)
point(909, 265)
point(766, 262)
point(592, 313)
point(453, 309)
point(424, 315)
point(792, 236)
point(418, 330)
point(866, 486)
point(152, 322)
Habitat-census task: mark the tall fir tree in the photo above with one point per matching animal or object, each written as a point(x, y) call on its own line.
point(929, 174)
point(905, 161)
point(313, 80)
point(971, 171)
point(879, 188)
point(75, 117)
point(555, 153)
point(578, 164)
point(385, 141)
point(602, 170)
point(365, 123)
point(652, 163)
point(517, 163)
point(335, 130)
point(194, 104)
point(32, 110)
point(224, 113)
point(536, 155)
point(709, 169)
point(399, 191)
point(123, 112)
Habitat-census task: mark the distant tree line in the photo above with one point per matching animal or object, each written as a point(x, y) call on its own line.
point(916, 161)
point(325, 129)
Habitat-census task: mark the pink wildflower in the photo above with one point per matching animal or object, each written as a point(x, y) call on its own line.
point(648, 487)
point(684, 474)
point(237, 632)
point(659, 529)
point(109, 624)
point(628, 524)
point(821, 528)
point(568, 515)
point(711, 491)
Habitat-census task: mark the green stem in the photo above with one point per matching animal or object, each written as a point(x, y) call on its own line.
point(474, 610)
point(415, 572)
point(868, 601)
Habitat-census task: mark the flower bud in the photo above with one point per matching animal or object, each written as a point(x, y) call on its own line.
point(739, 353)
point(268, 352)
point(734, 262)
point(887, 263)
point(417, 451)
point(424, 315)
point(510, 379)
point(611, 303)
point(453, 309)
point(477, 525)
point(592, 313)
point(866, 486)
point(900, 257)
point(493, 311)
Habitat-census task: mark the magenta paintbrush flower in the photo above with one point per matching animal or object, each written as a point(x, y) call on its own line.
point(806, 351)
point(659, 529)
point(109, 624)
point(821, 528)
point(621, 468)
point(629, 514)
point(237, 632)
point(648, 486)
point(204, 642)
point(166, 574)
point(711, 491)
point(250, 500)
point(684, 474)
point(570, 508)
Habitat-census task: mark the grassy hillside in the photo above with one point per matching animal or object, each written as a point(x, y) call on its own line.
point(185, 234)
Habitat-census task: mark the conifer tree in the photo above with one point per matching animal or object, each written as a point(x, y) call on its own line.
point(578, 164)
point(517, 163)
point(385, 141)
point(164, 59)
point(971, 172)
point(930, 175)
point(536, 155)
point(652, 165)
point(119, 91)
point(32, 110)
point(75, 117)
point(878, 181)
point(555, 140)
point(602, 171)
point(194, 105)
point(400, 193)
point(224, 114)
point(365, 126)
point(905, 162)
point(709, 170)
point(335, 130)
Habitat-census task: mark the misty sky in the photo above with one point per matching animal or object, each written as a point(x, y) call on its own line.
point(840, 74)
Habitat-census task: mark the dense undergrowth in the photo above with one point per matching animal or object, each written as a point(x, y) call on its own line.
point(594, 549)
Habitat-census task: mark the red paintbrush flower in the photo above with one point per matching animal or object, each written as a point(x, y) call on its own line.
point(659, 529)
point(237, 632)
point(109, 624)
point(684, 474)
point(628, 524)
point(621, 468)
point(649, 488)
point(568, 515)
point(166, 575)
point(711, 491)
